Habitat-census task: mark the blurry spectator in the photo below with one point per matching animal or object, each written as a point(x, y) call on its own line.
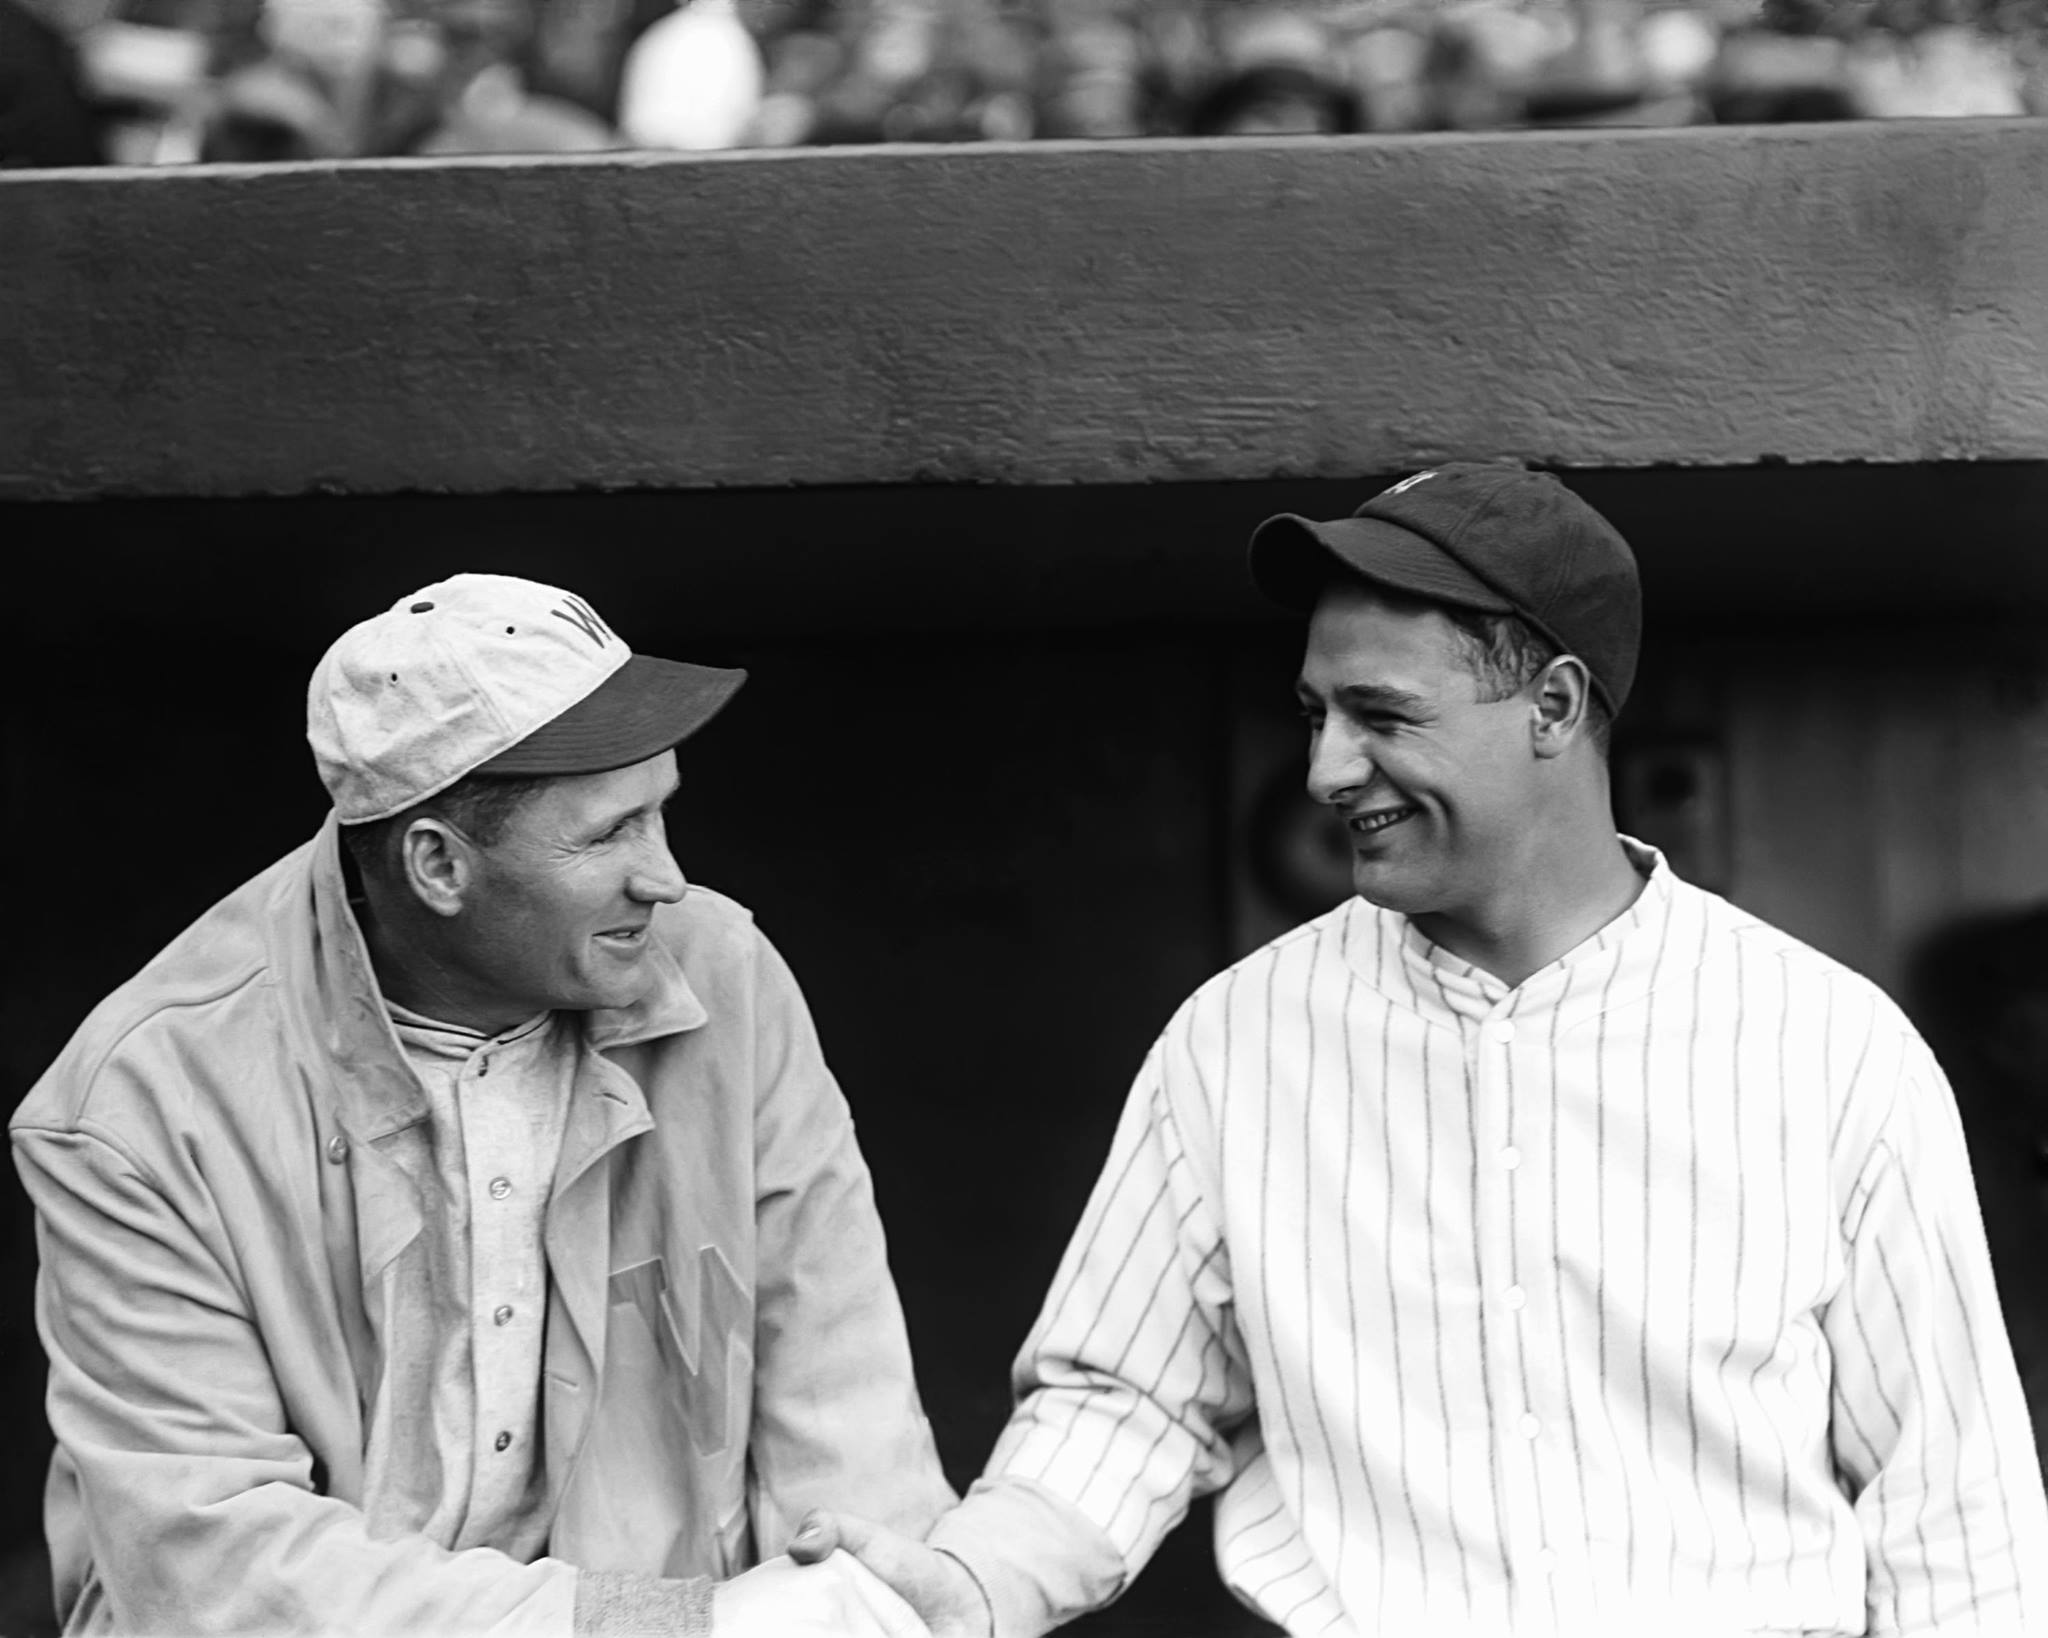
point(495, 114)
point(317, 78)
point(1599, 70)
point(1276, 99)
point(44, 117)
point(575, 48)
point(269, 111)
point(1091, 79)
point(1482, 61)
point(1282, 76)
point(1940, 72)
point(694, 80)
point(1980, 986)
point(1765, 77)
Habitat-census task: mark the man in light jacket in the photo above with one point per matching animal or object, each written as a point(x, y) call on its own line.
point(457, 1229)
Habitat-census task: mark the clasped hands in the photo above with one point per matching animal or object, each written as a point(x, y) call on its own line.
point(846, 1578)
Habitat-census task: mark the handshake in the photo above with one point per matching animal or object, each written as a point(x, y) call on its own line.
point(846, 1578)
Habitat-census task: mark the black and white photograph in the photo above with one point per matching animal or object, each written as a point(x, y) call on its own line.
point(968, 818)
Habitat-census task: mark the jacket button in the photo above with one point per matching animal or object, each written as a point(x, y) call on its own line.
point(337, 1149)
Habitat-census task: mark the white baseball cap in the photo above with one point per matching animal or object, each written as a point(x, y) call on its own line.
point(487, 673)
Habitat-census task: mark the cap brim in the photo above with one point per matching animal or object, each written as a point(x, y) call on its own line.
point(640, 710)
point(1292, 559)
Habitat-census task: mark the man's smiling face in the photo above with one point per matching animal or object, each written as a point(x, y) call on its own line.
point(557, 915)
point(1433, 782)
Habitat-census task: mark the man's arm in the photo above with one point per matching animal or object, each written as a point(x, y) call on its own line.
point(1129, 1384)
point(836, 1413)
point(197, 1496)
point(1930, 1428)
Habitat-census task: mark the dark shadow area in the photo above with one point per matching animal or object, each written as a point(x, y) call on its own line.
point(1979, 992)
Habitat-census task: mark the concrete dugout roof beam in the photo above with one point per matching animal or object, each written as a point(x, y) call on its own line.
point(1046, 313)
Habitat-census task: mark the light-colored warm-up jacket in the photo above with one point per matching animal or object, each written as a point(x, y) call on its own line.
point(222, 1243)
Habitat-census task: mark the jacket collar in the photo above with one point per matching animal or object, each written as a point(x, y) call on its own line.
point(377, 1092)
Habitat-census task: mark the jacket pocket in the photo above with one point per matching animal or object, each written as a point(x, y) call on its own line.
point(682, 1353)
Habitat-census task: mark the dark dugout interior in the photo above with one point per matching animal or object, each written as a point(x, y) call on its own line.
point(1002, 788)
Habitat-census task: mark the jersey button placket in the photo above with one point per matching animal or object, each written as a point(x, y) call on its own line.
point(1519, 1428)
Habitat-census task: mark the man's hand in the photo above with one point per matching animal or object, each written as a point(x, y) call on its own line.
point(934, 1584)
point(831, 1596)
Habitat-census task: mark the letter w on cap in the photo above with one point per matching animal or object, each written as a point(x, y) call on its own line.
point(582, 616)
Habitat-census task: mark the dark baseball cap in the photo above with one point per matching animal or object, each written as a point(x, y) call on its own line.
point(1477, 535)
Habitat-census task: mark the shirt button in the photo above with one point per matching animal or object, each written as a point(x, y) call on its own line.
point(337, 1149)
point(1529, 1426)
point(502, 1442)
point(1545, 1561)
point(500, 1187)
point(1499, 1029)
point(1514, 1296)
point(502, 1316)
point(1510, 1158)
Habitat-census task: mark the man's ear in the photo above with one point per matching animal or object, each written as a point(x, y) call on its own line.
point(1563, 692)
point(438, 863)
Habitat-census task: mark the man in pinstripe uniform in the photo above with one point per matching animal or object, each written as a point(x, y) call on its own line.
point(1534, 1244)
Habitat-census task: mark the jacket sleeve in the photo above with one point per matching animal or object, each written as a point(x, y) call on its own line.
point(837, 1421)
point(1930, 1427)
point(199, 1506)
point(1129, 1385)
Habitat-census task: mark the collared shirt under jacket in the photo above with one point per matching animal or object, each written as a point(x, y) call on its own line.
point(224, 1236)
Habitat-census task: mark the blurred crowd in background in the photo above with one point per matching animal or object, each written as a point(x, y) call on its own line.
point(169, 81)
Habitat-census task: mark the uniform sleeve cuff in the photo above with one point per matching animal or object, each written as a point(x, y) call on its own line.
point(1038, 1561)
point(618, 1604)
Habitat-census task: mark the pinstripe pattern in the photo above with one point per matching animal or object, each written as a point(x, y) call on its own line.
point(1611, 1298)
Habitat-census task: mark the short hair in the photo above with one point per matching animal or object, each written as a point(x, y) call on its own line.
point(1505, 652)
point(479, 805)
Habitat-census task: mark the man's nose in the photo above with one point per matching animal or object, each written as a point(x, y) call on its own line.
point(1337, 764)
point(657, 879)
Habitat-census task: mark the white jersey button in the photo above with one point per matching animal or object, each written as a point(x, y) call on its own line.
point(1510, 1158)
point(1515, 1297)
point(1529, 1426)
point(1499, 1029)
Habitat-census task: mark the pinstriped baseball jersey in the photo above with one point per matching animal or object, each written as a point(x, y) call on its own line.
point(1649, 1295)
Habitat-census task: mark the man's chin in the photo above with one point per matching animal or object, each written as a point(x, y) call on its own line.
point(1388, 886)
point(610, 994)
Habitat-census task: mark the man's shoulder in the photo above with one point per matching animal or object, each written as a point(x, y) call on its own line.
point(1290, 959)
point(1744, 952)
point(706, 926)
point(716, 944)
point(200, 985)
point(1730, 932)
point(706, 909)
